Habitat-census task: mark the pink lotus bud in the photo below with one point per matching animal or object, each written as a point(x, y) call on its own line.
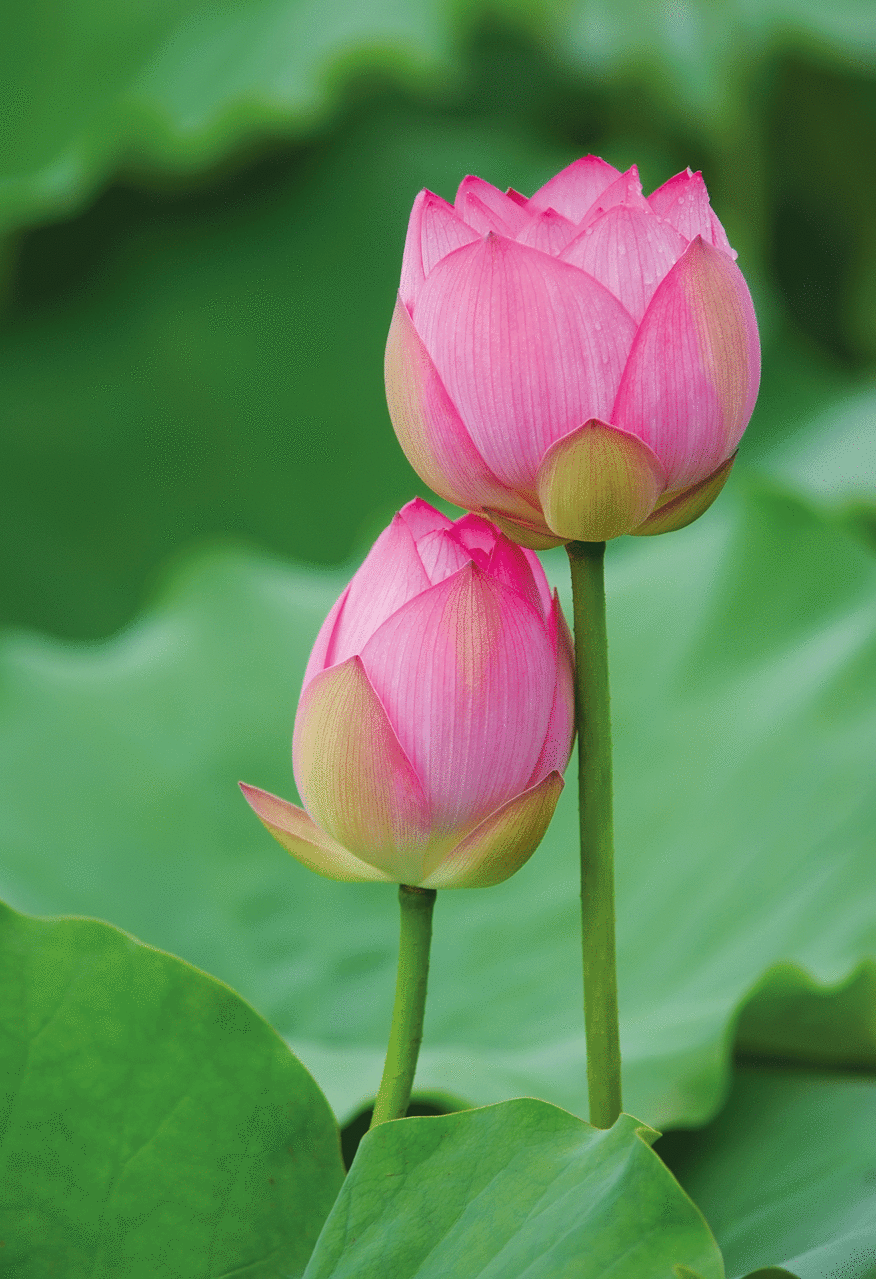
point(578, 365)
point(436, 715)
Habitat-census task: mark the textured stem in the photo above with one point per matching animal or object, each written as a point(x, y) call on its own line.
point(410, 1003)
point(586, 560)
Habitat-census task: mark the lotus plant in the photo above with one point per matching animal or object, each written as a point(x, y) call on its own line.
point(434, 725)
point(576, 365)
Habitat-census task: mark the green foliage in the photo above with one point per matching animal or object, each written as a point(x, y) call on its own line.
point(152, 1123)
point(517, 1188)
point(785, 1174)
point(745, 813)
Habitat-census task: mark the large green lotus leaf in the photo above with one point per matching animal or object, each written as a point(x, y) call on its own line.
point(152, 1123)
point(519, 1188)
point(175, 86)
point(743, 655)
point(785, 1175)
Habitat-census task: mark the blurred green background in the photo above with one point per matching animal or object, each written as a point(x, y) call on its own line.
point(204, 208)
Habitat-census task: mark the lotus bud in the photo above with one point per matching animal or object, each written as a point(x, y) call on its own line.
point(576, 365)
point(436, 715)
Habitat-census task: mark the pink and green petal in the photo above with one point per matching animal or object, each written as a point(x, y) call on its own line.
point(628, 250)
point(691, 380)
point(501, 844)
point(301, 837)
point(528, 348)
point(598, 482)
point(678, 510)
point(574, 189)
point(430, 430)
point(532, 537)
point(466, 672)
point(353, 774)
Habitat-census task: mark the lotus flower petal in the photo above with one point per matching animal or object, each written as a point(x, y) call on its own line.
point(370, 799)
point(549, 231)
point(534, 537)
point(430, 429)
point(598, 482)
point(319, 656)
point(391, 574)
point(422, 519)
point(501, 844)
point(434, 230)
point(309, 845)
point(574, 189)
point(449, 667)
point(629, 251)
point(626, 190)
point(691, 381)
point(485, 208)
point(677, 511)
point(684, 202)
point(528, 348)
point(561, 726)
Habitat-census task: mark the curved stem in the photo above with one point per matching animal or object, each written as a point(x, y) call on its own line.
point(586, 561)
point(406, 1031)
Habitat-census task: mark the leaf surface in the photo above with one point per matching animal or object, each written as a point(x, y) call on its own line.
point(152, 1123)
point(520, 1188)
point(785, 1174)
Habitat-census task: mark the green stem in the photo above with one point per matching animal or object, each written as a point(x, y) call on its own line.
point(410, 1002)
point(586, 560)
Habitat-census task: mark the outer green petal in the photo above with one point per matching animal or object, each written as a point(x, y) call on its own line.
point(354, 775)
point(301, 837)
point(501, 843)
point(687, 506)
point(598, 482)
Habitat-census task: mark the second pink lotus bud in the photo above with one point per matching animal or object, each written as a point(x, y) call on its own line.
point(436, 716)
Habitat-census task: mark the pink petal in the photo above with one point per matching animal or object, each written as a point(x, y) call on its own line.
point(561, 726)
point(501, 844)
point(677, 510)
point(598, 482)
point(422, 519)
point(391, 574)
point(541, 582)
point(466, 672)
point(629, 250)
point(549, 231)
point(354, 777)
point(626, 191)
point(684, 202)
point(301, 837)
point(511, 565)
point(691, 381)
point(434, 230)
point(516, 197)
point(573, 190)
point(430, 430)
point(442, 556)
point(476, 535)
point(528, 348)
point(319, 654)
point(485, 208)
